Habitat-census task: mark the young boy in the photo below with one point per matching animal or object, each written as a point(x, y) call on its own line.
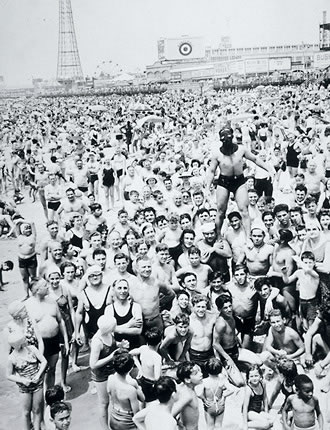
point(177, 339)
point(190, 375)
point(304, 406)
point(151, 417)
point(307, 285)
point(60, 413)
point(53, 394)
point(124, 392)
point(6, 266)
point(150, 363)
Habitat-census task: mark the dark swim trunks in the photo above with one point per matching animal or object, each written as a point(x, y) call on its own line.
point(147, 386)
point(52, 345)
point(233, 353)
point(28, 263)
point(54, 205)
point(231, 183)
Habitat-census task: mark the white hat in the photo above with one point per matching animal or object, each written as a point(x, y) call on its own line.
point(93, 270)
point(208, 227)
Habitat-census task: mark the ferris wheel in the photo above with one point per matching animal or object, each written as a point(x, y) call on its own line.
point(108, 69)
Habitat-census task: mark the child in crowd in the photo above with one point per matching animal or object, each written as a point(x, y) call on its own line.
point(151, 417)
point(307, 285)
point(255, 407)
point(6, 266)
point(124, 392)
point(214, 390)
point(190, 375)
point(149, 363)
point(60, 413)
point(26, 367)
point(285, 382)
point(52, 395)
point(304, 405)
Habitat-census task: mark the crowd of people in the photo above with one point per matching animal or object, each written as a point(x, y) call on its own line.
point(185, 248)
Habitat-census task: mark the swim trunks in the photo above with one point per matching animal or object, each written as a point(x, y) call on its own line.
point(52, 345)
point(28, 263)
point(231, 183)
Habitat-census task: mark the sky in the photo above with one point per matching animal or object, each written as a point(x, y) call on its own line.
point(126, 31)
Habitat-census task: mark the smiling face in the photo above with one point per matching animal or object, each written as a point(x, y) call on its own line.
point(121, 290)
point(182, 329)
point(200, 309)
point(277, 323)
point(144, 268)
point(54, 280)
point(183, 301)
point(254, 377)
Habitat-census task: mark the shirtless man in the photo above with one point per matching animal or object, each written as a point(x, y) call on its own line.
point(177, 339)
point(245, 303)
point(314, 180)
point(202, 323)
point(201, 270)
point(258, 255)
point(282, 340)
point(214, 251)
point(235, 235)
point(55, 258)
point(230, 159)
point(283, 257)
point(53, 235)
point(44, 311)
point(27, 256)
point(93, 301)
point(226, 344)
point(70, 205)
point(146, 293)
point(164, 272)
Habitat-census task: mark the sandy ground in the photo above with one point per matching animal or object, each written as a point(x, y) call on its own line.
point(84, 415)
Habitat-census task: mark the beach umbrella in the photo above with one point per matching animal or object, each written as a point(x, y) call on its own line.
point(241, 116)
point(149, 118)
point(98, 108)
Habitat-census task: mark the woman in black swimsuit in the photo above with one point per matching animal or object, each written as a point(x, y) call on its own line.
point(108, 182)
point(77, 232)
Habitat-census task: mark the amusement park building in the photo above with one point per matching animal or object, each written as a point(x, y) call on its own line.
point(184, 59)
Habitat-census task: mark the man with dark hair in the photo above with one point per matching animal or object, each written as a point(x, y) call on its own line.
point(229, 157)
point(201, 323)
point(269, 299)
point(60, 413)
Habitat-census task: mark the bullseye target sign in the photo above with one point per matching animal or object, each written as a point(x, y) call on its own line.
point(185, 48)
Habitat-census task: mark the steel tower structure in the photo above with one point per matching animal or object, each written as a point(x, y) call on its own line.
point(68, 61)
